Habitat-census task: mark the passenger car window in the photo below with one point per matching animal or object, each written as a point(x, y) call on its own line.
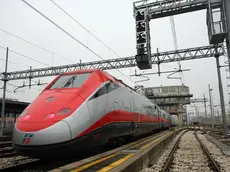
point(102, 91)
point(71, 81)
point(112, 86)
point(105, 89)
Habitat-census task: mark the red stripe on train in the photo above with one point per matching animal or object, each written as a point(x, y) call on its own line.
point(122, 116)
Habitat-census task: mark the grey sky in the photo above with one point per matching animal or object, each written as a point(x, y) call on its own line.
point(113, 23)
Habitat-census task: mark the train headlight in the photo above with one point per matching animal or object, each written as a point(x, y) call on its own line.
point(50, 116)
point(24, 113)
point(50, 99)
point(26, 117)
point(64, 111)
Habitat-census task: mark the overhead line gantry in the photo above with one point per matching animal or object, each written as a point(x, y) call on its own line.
point(218, 25)
point(146, 10)
point(156, 58)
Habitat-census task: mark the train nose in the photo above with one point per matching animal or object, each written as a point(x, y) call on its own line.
point(57, 133)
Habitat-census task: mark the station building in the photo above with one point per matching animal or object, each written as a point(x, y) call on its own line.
point(13, 108)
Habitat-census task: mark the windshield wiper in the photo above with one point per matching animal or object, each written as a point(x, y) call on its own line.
point(70, 82)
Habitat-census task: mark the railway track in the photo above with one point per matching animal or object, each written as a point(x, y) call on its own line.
point(161, 162)
point(18, 163)
point(213, 163)
point(216, 153)
point(188, 152)
point(6, 149)
point(22, 164)
point(6, 138)
point(7, 152)
point(5, 144)
point(170, 158)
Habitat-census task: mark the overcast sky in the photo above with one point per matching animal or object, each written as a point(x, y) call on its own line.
point(113, 23)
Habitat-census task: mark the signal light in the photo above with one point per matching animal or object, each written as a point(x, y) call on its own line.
point(141, 51)
point(64, 111)
point(140, 15)
point(24, 113)
point(49, 116)
point(143, 58)
point(141, 38)
point(26, 117)
point(140, 26)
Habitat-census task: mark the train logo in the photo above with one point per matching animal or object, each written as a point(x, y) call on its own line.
point(27, 138)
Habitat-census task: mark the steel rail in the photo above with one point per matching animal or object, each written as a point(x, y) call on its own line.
point(5, 144)
point(8, 138)
point(22, 166)
point(6, 155)
point(170, 157)
point(205, 150)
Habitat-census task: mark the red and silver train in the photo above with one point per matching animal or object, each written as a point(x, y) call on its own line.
point(83, 109)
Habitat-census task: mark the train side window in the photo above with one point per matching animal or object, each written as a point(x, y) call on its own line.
point(100, 92)
point(112, 86)
point(105, 89)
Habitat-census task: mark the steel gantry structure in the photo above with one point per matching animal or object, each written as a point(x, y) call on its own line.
point(156, 58)
point(163, 8)
point(218, 25)
point(146, 10)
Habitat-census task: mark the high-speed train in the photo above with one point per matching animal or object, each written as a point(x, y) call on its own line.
point(82, 109)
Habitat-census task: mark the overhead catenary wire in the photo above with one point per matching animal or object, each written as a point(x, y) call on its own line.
point(51, 21)
point(14, 62)
point(25, 56)
point(58, 6)
point(35, 45)
point(84, 28)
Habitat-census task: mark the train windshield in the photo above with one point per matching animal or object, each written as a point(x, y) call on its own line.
point(71, 81)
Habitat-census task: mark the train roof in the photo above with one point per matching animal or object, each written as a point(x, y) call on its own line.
point(81, 71)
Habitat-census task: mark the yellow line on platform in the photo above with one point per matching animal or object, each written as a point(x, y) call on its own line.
point(145, 141)
point(94, 163)
point(143, 147)
point(113, 165)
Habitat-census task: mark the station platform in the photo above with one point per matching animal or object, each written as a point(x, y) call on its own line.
point(131, 157)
